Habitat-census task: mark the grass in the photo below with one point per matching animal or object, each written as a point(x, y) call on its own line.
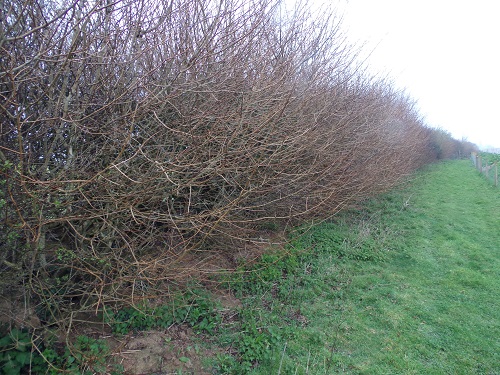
point(406, 284)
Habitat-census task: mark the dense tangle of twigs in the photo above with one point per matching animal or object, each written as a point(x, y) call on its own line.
point(137, 136)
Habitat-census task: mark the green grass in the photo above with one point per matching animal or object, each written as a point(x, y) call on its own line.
point(406, 284)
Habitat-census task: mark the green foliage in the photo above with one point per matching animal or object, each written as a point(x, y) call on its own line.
point(489, 158)
point(3, 182)
point(12, 248)
point(369, 242)
point(15, 352)
point(65, 255)
point(262, 275)
point(254, 343)
point(6, 166)
point(85, 356)
point(226, 364)
point(197, 311)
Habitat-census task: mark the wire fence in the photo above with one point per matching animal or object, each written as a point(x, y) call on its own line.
point(487, 168)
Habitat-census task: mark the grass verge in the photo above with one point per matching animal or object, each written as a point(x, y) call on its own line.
point(406, 284)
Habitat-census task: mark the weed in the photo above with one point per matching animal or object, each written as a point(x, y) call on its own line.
point(85, 356)
point(198, 312)
point(254, 342)
point(226, 364)
point(16, 352)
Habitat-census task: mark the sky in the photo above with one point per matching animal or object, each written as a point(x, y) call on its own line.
point(445, 53)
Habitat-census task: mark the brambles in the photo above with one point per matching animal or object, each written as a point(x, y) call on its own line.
point(15, 352)
point(86, 356)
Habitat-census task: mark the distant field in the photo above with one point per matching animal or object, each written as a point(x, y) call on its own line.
point(407, 284)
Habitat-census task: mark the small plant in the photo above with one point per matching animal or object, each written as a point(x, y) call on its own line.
point(16, 352)
point(198, 312)
point(85, 356)
point(226, 364)
point(255, 344)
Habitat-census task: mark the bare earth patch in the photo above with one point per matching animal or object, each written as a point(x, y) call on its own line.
point(178, 348)
point(162, 352)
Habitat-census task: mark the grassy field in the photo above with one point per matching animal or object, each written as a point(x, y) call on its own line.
point(409, 283)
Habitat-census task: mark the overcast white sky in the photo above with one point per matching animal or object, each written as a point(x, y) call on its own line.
point(446, 53)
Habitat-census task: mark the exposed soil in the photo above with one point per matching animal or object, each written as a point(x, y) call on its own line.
point(162, 352)
point(168, 351)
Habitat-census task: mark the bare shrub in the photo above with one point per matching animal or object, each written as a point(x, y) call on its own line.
point(139, 136)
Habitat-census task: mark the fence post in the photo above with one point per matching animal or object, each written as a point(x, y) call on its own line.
point(480, 163)
point(496, 173)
